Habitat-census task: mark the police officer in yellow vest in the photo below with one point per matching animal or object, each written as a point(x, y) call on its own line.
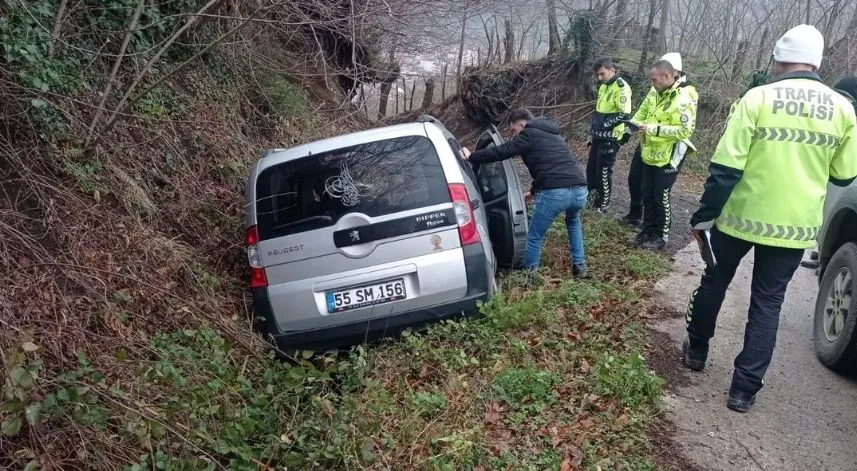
point(767, 183)
point(667, 119)
point(613, 106)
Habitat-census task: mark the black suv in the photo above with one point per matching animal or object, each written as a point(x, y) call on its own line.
point(835, 329)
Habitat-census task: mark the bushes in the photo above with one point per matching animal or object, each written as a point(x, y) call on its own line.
point(276, 97)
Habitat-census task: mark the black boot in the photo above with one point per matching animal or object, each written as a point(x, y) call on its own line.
point(812, 263)
point(740, 401)
point(655, 243)
point(695, 354)
point(640, 239)
point(633, 219)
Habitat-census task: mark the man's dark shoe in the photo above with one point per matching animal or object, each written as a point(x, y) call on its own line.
point(694, 355)
point(580, 271)
point(655, 243)
point(640, 239)
point(632, 219)
point(740, 402)
point(812, 263)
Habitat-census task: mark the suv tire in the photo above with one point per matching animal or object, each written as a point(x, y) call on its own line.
point(835, 325)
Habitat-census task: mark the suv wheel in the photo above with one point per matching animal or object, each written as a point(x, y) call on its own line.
point(835, 328)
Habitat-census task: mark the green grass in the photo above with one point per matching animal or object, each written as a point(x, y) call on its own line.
point(546, 379)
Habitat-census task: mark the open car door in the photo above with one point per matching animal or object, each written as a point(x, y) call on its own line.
point(503, 197)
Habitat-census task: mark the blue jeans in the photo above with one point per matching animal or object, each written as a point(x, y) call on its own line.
point(549, 203)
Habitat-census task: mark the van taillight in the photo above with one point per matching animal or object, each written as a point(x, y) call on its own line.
point(464, 214)
point(258, 279)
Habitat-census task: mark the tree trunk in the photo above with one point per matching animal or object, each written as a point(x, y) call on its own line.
point(428, 97)
point(384, 99)
point(618, 37)
point(397, 95)
point(364, 103)
point(443, 82)
point(647, 37)
point(733, 40)
point(55, 31)
point(461, 47)
point(832, 20)
point(621, 9)
point(498, 52)
point(662, 27)
point(510, 42)
point(553, 28)
point(490, 36)
point(684, 28)
point(740, 57)
point(519, 55)
point(413, 92)
point(763, 46)
point(808, 11)
point(841, 58)
point(386, 86)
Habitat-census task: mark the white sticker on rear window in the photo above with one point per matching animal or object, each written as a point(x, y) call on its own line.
point(343, 187)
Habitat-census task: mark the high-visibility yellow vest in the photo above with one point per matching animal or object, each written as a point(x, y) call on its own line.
point(789, 138)
point(614, 103)
point(670, 117)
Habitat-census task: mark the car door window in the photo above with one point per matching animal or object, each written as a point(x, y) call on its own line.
point(465, 165)
point(492, 176)
point(492, 181)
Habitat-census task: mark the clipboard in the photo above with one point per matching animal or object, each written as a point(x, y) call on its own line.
point(633, 127)
point(705, 248)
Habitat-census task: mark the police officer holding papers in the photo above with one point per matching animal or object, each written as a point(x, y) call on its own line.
point(766, 187)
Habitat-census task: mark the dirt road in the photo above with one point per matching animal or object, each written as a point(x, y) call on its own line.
point(805, 417)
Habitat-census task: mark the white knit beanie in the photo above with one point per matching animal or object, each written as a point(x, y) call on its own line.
point(674, 58)
point(802, 44)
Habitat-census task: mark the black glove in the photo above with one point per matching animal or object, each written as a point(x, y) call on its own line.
point(625, 138)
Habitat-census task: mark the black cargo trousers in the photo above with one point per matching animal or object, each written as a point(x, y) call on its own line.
point(772, 271)
point(656, 185)
point(599, 170)
point(635, 184)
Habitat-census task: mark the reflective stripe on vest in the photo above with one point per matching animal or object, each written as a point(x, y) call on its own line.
point(761, 229)
point(798, 136)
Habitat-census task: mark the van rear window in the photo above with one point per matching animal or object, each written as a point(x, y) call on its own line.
point(375, 178)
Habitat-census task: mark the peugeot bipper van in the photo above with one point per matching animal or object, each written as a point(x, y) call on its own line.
point(360, 236)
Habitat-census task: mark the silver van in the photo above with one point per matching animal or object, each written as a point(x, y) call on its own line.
point(359, 236)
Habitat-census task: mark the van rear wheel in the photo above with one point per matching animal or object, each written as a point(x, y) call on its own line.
point(835, 326)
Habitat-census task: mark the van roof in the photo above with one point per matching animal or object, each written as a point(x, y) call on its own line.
point(277, 156)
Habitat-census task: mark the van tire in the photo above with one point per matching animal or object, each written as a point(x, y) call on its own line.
point(837, 348)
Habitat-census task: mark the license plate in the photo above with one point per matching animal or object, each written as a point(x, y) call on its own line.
point(365, 296)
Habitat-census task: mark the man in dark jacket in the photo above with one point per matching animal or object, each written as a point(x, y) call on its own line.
point(558, 182)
